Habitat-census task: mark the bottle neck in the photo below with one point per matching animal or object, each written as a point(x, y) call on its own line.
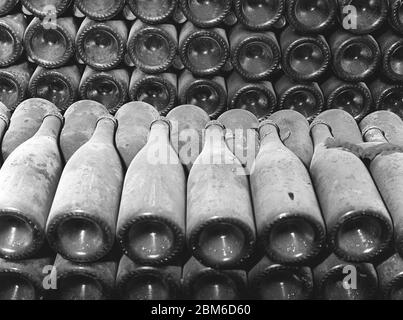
point(105, 131)
point(320, 133)
point(160, 131)
point(214, 137)
point(269, 133)
point(51, 127)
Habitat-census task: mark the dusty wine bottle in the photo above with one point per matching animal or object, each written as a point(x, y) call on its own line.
point(203, 52)
point(390, 274)
point(101, 44)
point(50, 47)
point(210, 94)
point(259, 15)
point(206, 14)
point(220, 222)
point(28, 180)
point(187, 125)
point(7, 5)
point(158, 90)
point(153, 12)
point(110, 88)
point(254, 55)
point(391, 45)
point(151, 225)
point(306, 98)
point(272, 281)
point(358, 223)
point(153, 49)
point(305, 57)
point(59, 86)
point(387, 96)
point(338, 280)
point(80, 123)
point(354, 98)
point(14, 84)
point(134, 282)
point(93, 281)
point(46, 8)
point(101, 9)
point(204, 283)
point(396, 16)
point(12, 30)
point(355, 58)
point(25, 122)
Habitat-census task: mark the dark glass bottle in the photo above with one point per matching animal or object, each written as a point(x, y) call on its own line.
point(354, 98)
point(102, 45)
point(7, 5)
point(109, 88)
point(256, 97)
point(396, 15)
point(390, 274)
point(50, 47)
point(203, 52)
point(206, 14)
point(158, 90)
point(59, 86)
point(305, 57)
point(272, 281)
point(338, 280)
point(153, 12)
point(14, 84)
point(387, 96)
point(101, 9)
point(254, 55)
point(44, 8)
point(210, 94)
point(391, 45)
point(134, 282)
point(259, 14)
point(153, 49)
point(12, 30)
point(312, 16)
point(306, 98)
point(355, 58)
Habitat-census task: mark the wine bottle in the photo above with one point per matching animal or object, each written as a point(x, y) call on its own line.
point(203, 52)
point(255, 55)
point(153, 12)
point(206, 14)
point(7, 5)
point(12, 28)
point(158, 90)
point(387, 96)
point(59, 86)
point(152, 48)
point(46, 8)
point(338, 280)
point(14, 84)
point(110, 88)
point(395, 15)
point(28, 180)
point(151, 225)
point(391, 45)
point(220, 222)
point(257, 97)
point(134, 282)
point(306, 98)
point(101, 44)
point(5, 115)
point(272, 281)
point(100, 10)
point(305, 57)
point(358, 223)
point(352, 97)
point(390, 278)
point(80, 123)
point(355, 58)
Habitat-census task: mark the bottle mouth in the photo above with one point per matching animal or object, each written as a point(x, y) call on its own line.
point(302, 100)
point(206, 12)
point(150, 12)
point(14, 286)
point(100, 9)
point(351, 98)
point(395, 61)
point(214, 286)
point(259, 14)
point(79, 287)
point(10, 92)
point(207, 95)
point(392, 101)
point(314, 15)
point(146, 286)
point(370, 14)
point(8, 45)
point(53, 88)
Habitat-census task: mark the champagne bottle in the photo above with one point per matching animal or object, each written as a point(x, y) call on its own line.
point(12, 28)
point(43, 9)
point(390, 278)
point(93, 281)
point(25, 122)
point(100, 10)
point(101, 44)
point(395, 16)
point(358, 223)
point(80, 123)
point(206, 14)
point(110, 88)
point(254, 55)
point(59, 86)
point(306, 98)
point(352, 97)
point(387, 96)
point(257, 97)
point(203, 52)
point(271, 281)
point(28, 180)
point(134, 120)
point(187, 125)
point(220, 222)
point(158, 90)
point(152, 48)
point(134, 282)
point(391, 45)
point(339, 280)
point(204, 283)
point(210, 94)
point(14, 84)
point(153, 12)
point(7, 5)
point(151, 224)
